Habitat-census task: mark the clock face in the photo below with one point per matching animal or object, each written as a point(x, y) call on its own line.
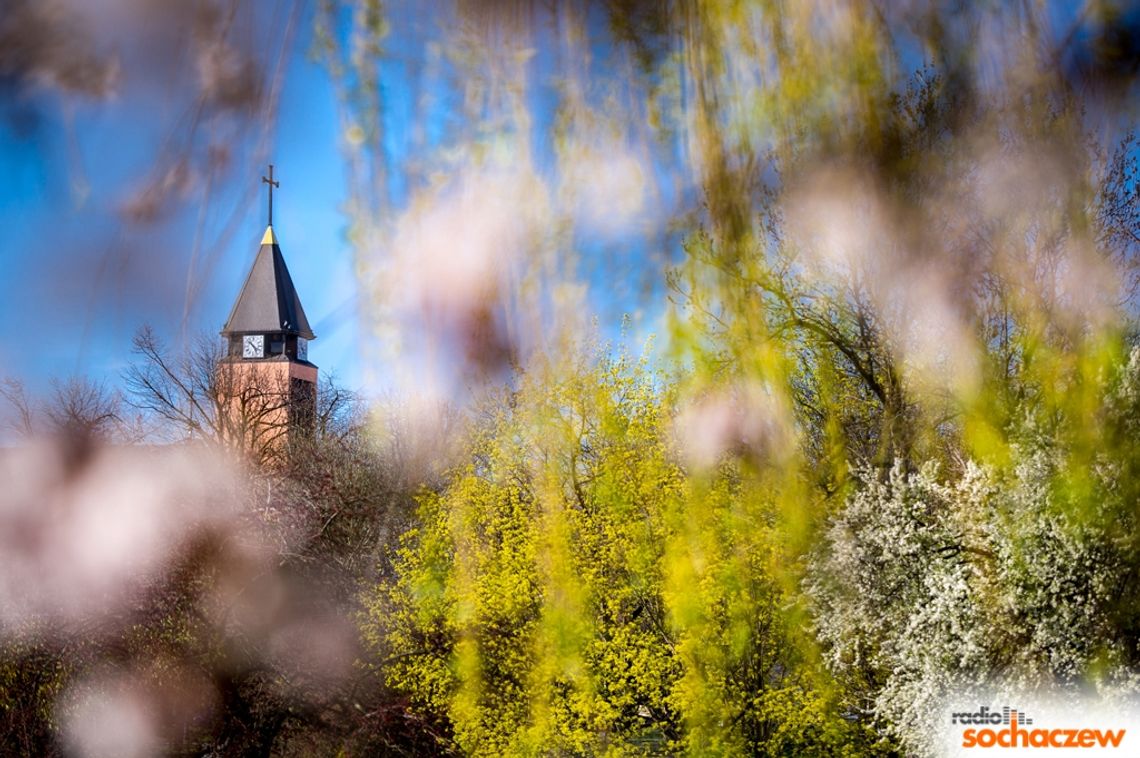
point(253, 346)
point(302, 348)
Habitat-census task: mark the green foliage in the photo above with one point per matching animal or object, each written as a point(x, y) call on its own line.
point(573, 590)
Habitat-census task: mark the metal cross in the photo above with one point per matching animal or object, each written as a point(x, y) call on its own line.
point(271, 184)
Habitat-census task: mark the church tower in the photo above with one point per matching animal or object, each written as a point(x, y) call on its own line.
point(267, 388)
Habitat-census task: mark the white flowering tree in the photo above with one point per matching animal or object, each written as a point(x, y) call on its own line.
point(1020, 575)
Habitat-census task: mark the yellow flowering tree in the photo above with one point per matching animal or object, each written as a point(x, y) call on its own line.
point(561, 596)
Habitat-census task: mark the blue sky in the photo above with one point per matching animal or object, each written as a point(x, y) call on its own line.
point(76, 281)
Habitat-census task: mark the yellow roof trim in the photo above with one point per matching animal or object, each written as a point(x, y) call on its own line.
point(269, 238)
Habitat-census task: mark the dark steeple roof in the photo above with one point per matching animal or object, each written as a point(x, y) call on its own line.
point(268, 301)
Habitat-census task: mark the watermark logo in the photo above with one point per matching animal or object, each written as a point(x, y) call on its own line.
point(1013, 728)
